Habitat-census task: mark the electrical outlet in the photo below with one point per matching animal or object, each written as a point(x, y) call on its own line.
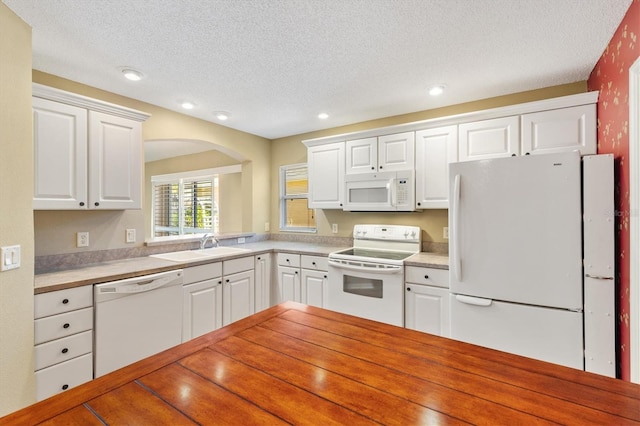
point(334, 228)
point(130, 236)
point(241, 240)
point(445, 232)
point(266, 227)
point(82, 239)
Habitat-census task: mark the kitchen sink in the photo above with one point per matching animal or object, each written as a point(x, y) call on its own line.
point(187, 255)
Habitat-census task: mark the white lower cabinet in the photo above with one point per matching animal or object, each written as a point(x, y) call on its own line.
point(63, 338)
point(238, 289)
point(288, 278)
point(263, 281)
point(202, 300)
point(313, 280)
point(427, 300)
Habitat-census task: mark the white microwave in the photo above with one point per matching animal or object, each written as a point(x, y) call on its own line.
point(380, 192)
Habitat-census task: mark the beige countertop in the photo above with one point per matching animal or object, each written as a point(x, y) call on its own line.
point(128, 268)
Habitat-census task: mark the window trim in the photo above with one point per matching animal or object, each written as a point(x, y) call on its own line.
point(283, 227)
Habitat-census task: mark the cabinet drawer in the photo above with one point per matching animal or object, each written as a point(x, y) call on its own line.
point(316, 263)
point(201, 273)
point(57, 302)
point(60, 350)
point(237, 265)
point(57, 326)
point(289, 259)
point(427, 276)
point(60, 377)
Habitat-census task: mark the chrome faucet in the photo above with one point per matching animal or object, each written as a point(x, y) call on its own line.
point(207, 237)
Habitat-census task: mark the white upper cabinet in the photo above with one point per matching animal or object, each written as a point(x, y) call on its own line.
point(435, 149)
point(384, 153)
point(115, 162)
point(60, 155)
point(326, 176)
point(87, 153)
point(499, 137)
point(560, 130)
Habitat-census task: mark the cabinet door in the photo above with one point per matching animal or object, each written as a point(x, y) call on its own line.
point(313, 287)
point(435, 149)
point(396, 152)
point(427, 309)
point(495, 138)
point(115, 162)
point(59, 155)
point(238, 298)
point(362, 156)
point(560, 130)
point(202, 308)
point(288, 284)
point(263, 281)
point(326, 176)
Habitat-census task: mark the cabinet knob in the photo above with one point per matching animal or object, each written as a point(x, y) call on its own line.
point(373, 168)
point(313, 263)
point(66, 325)
point(81, 203)
point(65, 350)
point(227, 280)
point(426, 277)
point(381, 167)
point(325, 277)
point(259, 258)
point(419, 204)
point(296, 272)
point(65, 387)
point(526, 153)
point(513, 155)
point(220, 282)
point(65, 301)
point(96, 204)
point(408, 288)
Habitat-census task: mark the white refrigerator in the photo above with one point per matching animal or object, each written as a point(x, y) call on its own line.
point(516, 256)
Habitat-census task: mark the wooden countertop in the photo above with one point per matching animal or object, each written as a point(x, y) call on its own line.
point(303, 365)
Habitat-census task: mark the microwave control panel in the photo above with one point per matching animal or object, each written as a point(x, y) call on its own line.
point(402, 192)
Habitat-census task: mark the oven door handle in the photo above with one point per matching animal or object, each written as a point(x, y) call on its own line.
point(388, 269)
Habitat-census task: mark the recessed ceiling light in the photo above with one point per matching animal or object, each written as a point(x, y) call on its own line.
point(222, 115)
point(436, 90)
point(323, 116)
point(187, 105)
point(131, 74)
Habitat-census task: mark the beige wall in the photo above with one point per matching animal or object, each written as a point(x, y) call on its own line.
point(55, 230)
point(290, 150)
point(231, 212)
point(17, 382)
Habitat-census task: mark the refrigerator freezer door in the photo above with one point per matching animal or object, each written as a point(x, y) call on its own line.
point(547, 334)
point(515, 229)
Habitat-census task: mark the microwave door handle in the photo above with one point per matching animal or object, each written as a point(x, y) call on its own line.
point(392, 193)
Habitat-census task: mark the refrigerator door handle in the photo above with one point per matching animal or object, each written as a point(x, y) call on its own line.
point(457, 266)
point(598, 277)
point(477, 301)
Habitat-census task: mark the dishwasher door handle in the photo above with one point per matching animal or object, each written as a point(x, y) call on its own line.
point(137, 286)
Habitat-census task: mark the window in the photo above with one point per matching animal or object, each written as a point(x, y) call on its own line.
point(295, 215)
point(185, 204)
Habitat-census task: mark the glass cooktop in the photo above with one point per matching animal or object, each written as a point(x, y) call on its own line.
point(376, 254)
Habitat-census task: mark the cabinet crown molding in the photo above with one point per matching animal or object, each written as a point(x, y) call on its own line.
point(487, 114)
point(69, 98)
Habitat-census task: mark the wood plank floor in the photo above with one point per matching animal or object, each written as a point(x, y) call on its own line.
point(294, 364)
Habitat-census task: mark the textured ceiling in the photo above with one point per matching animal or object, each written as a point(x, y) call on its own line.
point(275, 64)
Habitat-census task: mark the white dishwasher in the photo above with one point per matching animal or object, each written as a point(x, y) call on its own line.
point(136, 318)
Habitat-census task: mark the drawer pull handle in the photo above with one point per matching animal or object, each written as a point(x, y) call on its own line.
point(65, 387)
point(65, 350)
point(426, 277)
point(65, 301)
point(66, 325)
point(313, 263)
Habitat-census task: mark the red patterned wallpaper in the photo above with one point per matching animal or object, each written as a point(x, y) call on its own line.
point(611, 77)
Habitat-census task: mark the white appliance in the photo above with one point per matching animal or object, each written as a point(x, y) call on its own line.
point(383, 191)
point(516, 254)
point(367, 280)
point(136, 318)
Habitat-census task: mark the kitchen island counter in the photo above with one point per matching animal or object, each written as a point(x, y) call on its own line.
point(303, 365)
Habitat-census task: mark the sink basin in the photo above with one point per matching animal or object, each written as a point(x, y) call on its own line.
point(188, 255)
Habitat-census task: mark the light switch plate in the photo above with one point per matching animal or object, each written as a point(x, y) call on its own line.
point(130, 236)
point(10, 258)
